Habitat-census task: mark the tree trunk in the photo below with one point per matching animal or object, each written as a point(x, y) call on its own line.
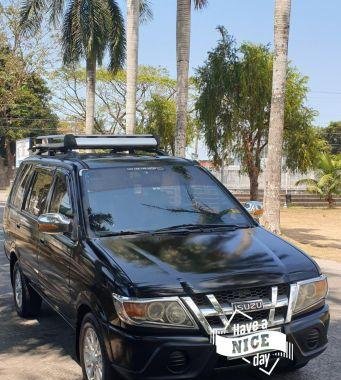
point(253, 176)
point(133, 13)
point(3, 174)
point(10, 146)
point(183, 34)
point(330, 200)
point(90, 95)
point(271, 217)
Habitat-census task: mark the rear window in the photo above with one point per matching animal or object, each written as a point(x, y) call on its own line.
point(20, 187)
point(38, 195)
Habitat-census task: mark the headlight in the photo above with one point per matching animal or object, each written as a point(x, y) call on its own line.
point(310, 292)
point(161, 312)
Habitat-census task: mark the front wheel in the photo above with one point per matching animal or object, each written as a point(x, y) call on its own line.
point(93, 356)
point(27, 301)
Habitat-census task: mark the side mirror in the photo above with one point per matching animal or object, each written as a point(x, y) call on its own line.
point(54, 223)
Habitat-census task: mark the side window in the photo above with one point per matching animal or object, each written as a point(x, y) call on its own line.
point(61, 201)
point(39, 192)
point(19, 191)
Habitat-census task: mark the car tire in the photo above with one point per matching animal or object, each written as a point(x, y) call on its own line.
point(93, 355)
point(26, 300)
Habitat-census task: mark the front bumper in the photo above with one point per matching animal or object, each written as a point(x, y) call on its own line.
point(185, 357)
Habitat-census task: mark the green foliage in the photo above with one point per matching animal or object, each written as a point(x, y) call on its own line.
point(332, 134)
point(234, 102)
point(213, 104)
point(161, 121)
point(199, 4)
point(146, 13)
point(24, 101)
point(69, 84)
point(328, 178)
point(89, 28)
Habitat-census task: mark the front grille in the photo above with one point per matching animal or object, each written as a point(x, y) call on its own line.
point(214, 311)
point(256, 315)
point(243, 294)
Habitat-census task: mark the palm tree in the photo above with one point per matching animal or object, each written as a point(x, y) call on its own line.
point(90, 28)
point(328, 178)
point(271, 217)
point(137, 11)
point(183, 35)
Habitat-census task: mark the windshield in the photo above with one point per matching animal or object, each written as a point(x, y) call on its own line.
point(128, 199)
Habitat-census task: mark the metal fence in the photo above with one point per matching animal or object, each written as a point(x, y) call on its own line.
point(234, 179)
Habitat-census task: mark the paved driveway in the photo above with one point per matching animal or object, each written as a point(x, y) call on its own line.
point(42, 349)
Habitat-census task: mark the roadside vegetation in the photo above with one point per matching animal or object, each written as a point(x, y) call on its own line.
point(241, 76)
point(327, 183)
point(62, 70)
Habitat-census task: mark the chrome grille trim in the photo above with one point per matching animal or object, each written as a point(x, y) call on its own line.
point(274, 296)
point(218, 309)
point(225, 311)
point(292, 301)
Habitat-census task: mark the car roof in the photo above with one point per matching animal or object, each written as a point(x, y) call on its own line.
point(92, 160)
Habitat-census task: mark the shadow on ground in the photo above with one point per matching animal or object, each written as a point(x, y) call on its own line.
point(20, 336)
point(307, 236)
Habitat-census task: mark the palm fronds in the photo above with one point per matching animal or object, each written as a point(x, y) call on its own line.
point(117, 41)
point(31, 15)
point(146, 13)
point(199, 4)
point(328, 178)
point(89, 27)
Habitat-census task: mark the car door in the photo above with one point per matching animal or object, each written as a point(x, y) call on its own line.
point(55, 251)
point(13, 208)
point(27, 221)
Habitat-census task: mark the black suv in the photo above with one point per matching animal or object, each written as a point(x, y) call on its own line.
point(148, 256)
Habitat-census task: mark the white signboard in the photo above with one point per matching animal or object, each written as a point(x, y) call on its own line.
point(21, 150)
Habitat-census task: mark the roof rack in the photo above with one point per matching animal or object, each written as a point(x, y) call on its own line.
point(66, 143)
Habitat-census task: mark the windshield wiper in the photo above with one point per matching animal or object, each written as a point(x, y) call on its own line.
point(192, 227)
point(120, 233)
point(195, 211)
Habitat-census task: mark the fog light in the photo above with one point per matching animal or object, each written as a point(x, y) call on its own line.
point(313, 338)
point(177, 362)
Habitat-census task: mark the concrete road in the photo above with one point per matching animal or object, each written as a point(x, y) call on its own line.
point(42, 348)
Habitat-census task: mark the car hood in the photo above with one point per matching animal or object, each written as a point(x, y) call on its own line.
point(174, 263)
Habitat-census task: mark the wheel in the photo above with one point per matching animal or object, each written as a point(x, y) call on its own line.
point(27, 301)
point(93, 356)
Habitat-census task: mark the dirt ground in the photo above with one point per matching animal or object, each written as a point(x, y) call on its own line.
point(316, 231)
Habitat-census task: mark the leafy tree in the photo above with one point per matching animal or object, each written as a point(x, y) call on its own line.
point(234, 109)
point(111, 92)
point(332, 134)
point(24, 107)
point(89, 29)
point(161, 121)
point(36, 50)
point(328, 178)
